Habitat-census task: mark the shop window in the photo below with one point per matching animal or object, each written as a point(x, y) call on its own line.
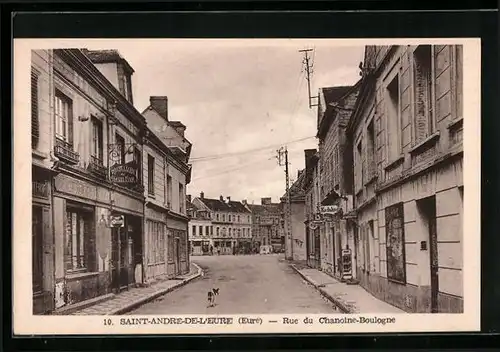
point(80, 246)
point(422, 75)
point(394, 222)
point(37, 249)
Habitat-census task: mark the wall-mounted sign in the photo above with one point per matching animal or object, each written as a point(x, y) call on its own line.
point(117, 221)
point(123, 174)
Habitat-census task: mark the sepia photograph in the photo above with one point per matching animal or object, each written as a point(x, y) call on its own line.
point(269, 184)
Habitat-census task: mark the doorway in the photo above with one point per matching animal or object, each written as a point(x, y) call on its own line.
point(427, 208)
point(176, 256)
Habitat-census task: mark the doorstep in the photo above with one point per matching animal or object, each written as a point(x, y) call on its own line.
point(70, 309)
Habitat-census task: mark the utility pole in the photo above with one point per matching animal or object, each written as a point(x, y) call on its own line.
point(309, 71)
point(288, 209)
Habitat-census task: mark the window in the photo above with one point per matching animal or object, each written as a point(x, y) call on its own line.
point(194, 230)
point(248, 218)
point(35, 127)
point(182, 198)
point(79, 246)
point(234, 218)
point(393, 128)
point(151, 175)
point(169, 191)
point(97, 136)
point(200, 229)
point(223, 217)
point(394, 224)
point(217, 217)
point(211, 230)
point(238, 218)
point(207, 230)
point(64, 117)
point(422, 75)
point(217, 232)
point(37, 249)
point(157, 245)
point(120, 148)
point(230, 231)
point(371, 167)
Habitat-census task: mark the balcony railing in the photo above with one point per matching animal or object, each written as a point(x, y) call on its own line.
point(96, 167)
point(64, 151)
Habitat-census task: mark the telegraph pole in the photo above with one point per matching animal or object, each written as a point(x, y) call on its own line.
point(288, 209)
point(309, 71)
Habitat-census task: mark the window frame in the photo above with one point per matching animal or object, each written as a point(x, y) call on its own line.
point(388, 82)
point(151, 175)
point(97, 148)
point(65, 116)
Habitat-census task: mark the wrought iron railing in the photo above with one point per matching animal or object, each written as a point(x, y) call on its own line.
point(64, 150)
point(40, 189)
point(96, 166)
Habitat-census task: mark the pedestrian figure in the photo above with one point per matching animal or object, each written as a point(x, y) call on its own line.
point(211, 250)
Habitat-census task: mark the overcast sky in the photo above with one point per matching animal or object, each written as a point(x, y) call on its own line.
point(237, 98)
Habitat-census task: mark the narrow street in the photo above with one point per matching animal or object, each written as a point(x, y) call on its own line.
point(249, 284)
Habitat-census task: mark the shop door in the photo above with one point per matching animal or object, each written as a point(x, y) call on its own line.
point(124, 258)
point(429, 207)
point(37, 249)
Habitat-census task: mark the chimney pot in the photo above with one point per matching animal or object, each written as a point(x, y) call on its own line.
point(202, 195)
point(189, 197)
point(221, 198)
point(228, 199)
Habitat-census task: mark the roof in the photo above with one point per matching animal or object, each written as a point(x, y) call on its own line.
point(333, 94)
point(106, 56)
point(297, 189)
point(221, 205)
point(264, 209)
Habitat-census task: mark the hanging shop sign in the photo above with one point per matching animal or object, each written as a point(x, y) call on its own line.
point(346, 264)
point(329, 209)
point(117, 221)
point(123, 174)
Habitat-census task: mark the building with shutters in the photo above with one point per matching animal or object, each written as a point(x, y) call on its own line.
point(312, 204)
point(406, 134)
point(166, 176)
point(88, 196)
point(232, 223)
point(335, 108)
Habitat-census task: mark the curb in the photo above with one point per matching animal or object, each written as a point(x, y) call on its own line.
point(339, 304)
point(141, 301)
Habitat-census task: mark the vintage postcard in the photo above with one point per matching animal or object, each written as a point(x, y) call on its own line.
point(246, 186)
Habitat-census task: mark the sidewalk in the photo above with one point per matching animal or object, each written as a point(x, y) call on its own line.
point(352, 299)
point(129, 300)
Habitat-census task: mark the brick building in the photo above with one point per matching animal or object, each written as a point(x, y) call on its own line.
point(406, 137)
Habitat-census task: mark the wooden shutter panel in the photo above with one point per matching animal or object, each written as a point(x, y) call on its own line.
point(422, 96)
point(90, 243)
point(70, 121)
point(35, 128)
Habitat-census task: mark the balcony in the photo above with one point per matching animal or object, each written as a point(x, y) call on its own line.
point(64, 151)
point(96, 167)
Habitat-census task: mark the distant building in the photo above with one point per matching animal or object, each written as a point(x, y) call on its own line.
point(232, 223)
point(266, 227)
point(201, 229)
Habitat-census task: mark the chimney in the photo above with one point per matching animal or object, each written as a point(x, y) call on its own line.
point(202, 195)
point(189, 198)
point(244, 201)
point(265, 201)
point(160, 105)
point(228, 199)
point(221, 198)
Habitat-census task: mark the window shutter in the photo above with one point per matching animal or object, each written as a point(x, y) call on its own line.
point(422, 97)
point(35, 131)
point(70, 122)
point(89, 240)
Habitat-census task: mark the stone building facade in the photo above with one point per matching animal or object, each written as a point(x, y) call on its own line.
point(88, 203)
point(406, 137)
point(266, 228)
point(201, 230)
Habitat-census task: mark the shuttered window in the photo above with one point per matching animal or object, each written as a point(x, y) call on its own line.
point(393, 123)
point(64, 117)
point(35, 127)
point(151, 175)
point(422, 75)
point(459, 70)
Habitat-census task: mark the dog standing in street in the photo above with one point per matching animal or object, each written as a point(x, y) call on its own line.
point(212, 296)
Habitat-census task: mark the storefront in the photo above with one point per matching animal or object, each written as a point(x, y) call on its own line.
point(177, 245)
point(98, 239)
point(155, 241)
point(41, 241)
